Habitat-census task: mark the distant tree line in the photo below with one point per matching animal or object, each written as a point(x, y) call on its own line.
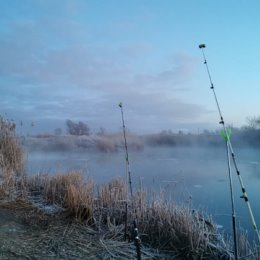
point(243, 136)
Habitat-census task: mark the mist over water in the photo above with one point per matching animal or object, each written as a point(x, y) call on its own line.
point(194, 175)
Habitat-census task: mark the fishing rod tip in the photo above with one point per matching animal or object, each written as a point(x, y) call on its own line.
point(202, 46)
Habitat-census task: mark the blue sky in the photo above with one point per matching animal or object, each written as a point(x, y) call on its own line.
point(77, 60)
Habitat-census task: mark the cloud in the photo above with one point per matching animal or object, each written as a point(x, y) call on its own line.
point(51, 70)
point(181, 70)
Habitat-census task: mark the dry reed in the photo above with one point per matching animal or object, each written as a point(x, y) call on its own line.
point(114, 142)
point(56, 238)
point(163, 225)
point(111, 193)
point(69, 191)
point(168, 226)
point(11, 158)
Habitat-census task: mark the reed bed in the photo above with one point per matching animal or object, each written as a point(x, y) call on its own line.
point(114, 142)
point(47, 236)
point(68, 191)
point(110, 194)
point(168, 226)
point(163, 225)
point(167, 230)
point(11, 158)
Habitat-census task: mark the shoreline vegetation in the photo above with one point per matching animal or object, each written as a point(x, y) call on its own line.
point(113, 142)
point(68, 216)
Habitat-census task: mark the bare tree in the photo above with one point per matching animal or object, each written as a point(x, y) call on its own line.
point(253, 122)
point(78, 128)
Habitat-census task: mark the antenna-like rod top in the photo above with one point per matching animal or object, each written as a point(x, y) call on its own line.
point(120, 104)
point(202, 46)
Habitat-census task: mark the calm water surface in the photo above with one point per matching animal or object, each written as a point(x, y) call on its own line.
point(192, 174)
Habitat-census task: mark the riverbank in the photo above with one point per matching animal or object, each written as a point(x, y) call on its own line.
point(112, 142)
point(65, 217)
point(104, 143)
point(26, 233)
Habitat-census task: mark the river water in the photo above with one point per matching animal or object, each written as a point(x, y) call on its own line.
point(194, 175)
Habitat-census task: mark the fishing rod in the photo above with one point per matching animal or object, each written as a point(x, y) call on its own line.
point(135, 236)
point(226, 137)
point(222, 122)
